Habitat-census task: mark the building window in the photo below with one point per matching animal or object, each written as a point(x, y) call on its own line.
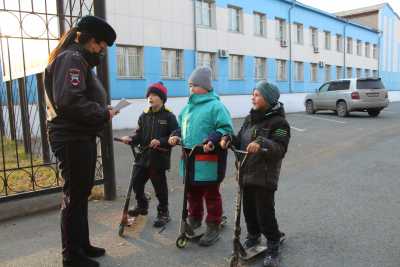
point(280, 29)
point(359, 48)
point(235, 19)
point(314, 72)
point(349, 72)
point(205, 13)
point(375, 73)
point(281, 73)
point(130, 61)
point(328, 70)
point(172, 63)
point(314, 36)
point(367, 50)
point(349, 45)
point(299, 33)
point(298, 71)
point(339, 43)
point(205, 59)
point(236, 67)
point(367, 73)
point(328, 41)
point(358, 73)
point(339, 72)
point(375, 51)
point(260, 69)
point(260, 24)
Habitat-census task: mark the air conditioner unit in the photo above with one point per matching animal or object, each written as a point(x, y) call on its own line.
point(222, 53)
point(284, 43)
point(316, 50)
point(321, 64)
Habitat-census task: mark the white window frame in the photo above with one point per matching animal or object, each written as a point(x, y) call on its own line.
point(339, 72)
point(281, 66)
point(349, 72)
point(359, 48)
point(358, 72)
point(172, 64)
point(129, 62)
point(349, 46)
point(299, 71)
point(328, 72)
point(208, 59)
point(281, 29)
point(260, 24)
point(299, 33)
point(367, 49)
point(328, 40)
point(236, 67)
point(237, 13)
point(205, 13)
point(367, 73)
point(314, 72)
point(314, 37)
point(260, 68)
point(339, 43)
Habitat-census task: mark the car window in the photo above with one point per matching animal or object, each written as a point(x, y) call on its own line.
point(342, 85)
point(370, 84)
point(324, 88)
point(333, 86)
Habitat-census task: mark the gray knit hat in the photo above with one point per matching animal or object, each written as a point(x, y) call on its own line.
point(269, 91)
point(201, 77)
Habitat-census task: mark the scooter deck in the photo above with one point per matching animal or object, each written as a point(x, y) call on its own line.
point(253, 252)
point(199, 232)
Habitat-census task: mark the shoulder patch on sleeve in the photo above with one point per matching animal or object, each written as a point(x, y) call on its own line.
point(74, 76)
point(281, 132)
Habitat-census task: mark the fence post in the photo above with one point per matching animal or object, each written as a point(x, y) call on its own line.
point(42, 118)
point(11, 113)
point(23, 103)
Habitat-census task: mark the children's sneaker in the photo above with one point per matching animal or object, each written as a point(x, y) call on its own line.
point(251, 241)
point(194, 223)
point(210, 236)
point(138, 211)
point(162, 219)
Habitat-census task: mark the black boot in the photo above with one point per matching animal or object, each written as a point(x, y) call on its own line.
point(138, 211)
point(94, 252)
point(162, 218)
point(251, 241)
point(79, 260)
point(272, 254)
point(210, 236)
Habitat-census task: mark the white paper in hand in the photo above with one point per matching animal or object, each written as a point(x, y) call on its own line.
point(121, 104)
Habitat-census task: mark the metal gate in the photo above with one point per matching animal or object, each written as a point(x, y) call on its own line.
point(29, 30)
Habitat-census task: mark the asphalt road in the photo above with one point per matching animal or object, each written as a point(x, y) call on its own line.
point(338, 203)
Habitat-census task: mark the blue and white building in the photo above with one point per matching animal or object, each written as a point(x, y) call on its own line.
point(295, 46)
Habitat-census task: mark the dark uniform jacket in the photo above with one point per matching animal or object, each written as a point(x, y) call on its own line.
point(76, 99)
point(155, 125)
point(271, 130)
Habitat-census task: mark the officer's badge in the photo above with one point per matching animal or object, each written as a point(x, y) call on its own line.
point(74, 77)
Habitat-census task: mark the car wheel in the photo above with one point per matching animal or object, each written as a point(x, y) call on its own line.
point(373, 112)
point(341, 109)
point(310, 107)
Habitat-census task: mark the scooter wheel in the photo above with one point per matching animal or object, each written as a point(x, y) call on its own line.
point(181, 242)
point(121, 230)
point(234, 262)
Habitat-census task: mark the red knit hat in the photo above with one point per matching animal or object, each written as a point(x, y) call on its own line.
point(158, 89)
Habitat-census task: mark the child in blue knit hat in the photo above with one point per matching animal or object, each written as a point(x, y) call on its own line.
point(265, 127)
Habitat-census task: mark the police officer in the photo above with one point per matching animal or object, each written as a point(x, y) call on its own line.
point(77, 113)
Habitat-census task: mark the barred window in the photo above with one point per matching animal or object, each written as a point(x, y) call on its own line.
point(207, 59)
point(172, 64)
point(349, 72)
point(260, 68)
point(282, 70)
point(299, 71)
point(129, 61)
point(236, 71)
point(314, 72)
point(358, 73)
point(339, 73)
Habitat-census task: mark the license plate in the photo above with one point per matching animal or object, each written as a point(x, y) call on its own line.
point(372, 94)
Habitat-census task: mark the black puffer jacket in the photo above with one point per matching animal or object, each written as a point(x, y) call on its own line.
point(77, 97)
point(155, 125)
point(271, 130)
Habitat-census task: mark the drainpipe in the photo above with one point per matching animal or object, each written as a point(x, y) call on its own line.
point(344, 47)
point(290, 44)
point(194, 35)
point(379, 53)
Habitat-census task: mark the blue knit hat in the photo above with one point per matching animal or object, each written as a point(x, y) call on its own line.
point(269, 91)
